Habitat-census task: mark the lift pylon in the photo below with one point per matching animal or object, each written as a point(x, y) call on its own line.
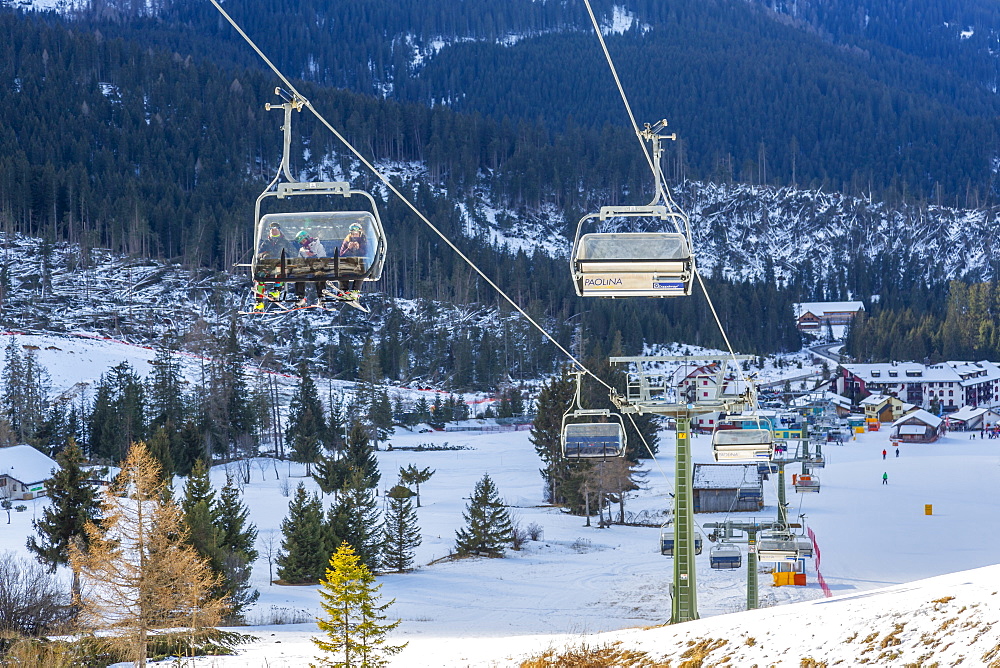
point(672, 392)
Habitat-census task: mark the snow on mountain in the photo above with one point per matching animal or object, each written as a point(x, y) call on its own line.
point(740, 228)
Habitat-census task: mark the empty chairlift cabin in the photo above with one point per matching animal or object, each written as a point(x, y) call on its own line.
point(632, 264)
point(742, 439)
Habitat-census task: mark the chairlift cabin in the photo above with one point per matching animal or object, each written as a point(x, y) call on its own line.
point(726, 555)
point(806, 482)
point(667, 542)
point(592, 440)
point(777, 546)
point(328, 245)
point(732, 444)
point(591, 433)
point(633, 264)
point(318, 246)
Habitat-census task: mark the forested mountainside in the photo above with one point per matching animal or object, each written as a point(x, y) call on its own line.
point(143, 132)
point(897, 101)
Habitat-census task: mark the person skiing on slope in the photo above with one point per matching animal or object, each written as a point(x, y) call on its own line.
point(884, 453)
point(885, 478)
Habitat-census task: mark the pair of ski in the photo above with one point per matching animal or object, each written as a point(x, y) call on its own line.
point(274, 306)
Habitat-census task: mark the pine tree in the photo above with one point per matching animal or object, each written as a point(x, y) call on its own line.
point(72, 504)
point(139, 571)
point(201, 517)
point(488, 529)
point(355, 625)
point(306, 427)
point(411, 475)
point(188, 447)
point(159, 448)
point(437, 417)
point(380, 417)
point(239, 409)
point(304, 543)
point(118, 418)
point(25, 395)
point(335, 425)
point(360, 455)
point(357, 520)
point(422, 410)
point(330, 474)
point(166, 398)
point(554, 399)
point(370, 372)
point(402, 536)
point(237, 552)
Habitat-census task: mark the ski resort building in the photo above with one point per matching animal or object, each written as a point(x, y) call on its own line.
point(813, 316)
point(917, 427)
point(949, 385)
point(970, 418)
point(884, 408)
point(24, 472)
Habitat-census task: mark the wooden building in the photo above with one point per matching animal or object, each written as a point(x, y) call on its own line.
point(720, 488)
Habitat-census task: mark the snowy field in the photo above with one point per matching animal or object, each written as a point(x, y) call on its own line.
point(585, 584)
point(583, 580)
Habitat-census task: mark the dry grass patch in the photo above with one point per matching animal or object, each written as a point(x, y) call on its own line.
point(606, 656)
point(892, 638)
point(698, 651)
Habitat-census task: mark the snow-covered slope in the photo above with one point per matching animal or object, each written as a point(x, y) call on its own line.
point(596, 586)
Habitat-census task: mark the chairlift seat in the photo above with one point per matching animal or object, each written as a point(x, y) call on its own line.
point(593, 440)
point(806, 483)
point(633, 264)
point(725, 556)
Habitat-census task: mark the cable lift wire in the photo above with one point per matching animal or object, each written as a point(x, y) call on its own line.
point(308, 105)
point(662, 189)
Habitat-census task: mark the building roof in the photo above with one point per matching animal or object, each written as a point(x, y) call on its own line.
point(725, 476)
point(967, 413)
point(906, 372)
point(921, 415)
point(820, 398)
point(26, 464)
point(874, 400)
point(822, 308)
point(974, 373)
